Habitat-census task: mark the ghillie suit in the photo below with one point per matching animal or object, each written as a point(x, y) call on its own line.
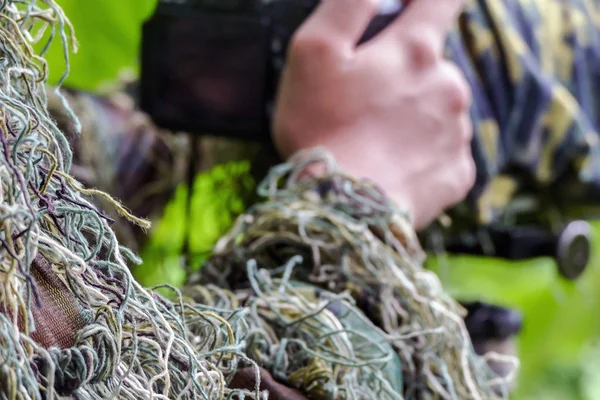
point(74, 322)
point(121, 152)
point(348, 239)
point(119, 144)
point(530, 65)
point(137, 149)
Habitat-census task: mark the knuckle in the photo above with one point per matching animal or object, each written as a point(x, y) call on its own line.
point(422, 49)
point(464, 180)
point(456, 90)
point(464, 130)
point(461, 134)
point(468, 175)
point(304, 45)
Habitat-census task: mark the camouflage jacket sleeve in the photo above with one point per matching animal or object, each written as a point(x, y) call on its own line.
point(534, 69)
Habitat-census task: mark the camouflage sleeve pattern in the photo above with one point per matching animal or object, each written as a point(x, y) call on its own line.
point(534, 67)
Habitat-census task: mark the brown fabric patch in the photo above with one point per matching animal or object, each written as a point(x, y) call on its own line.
point(245, 379)
point(58, 317)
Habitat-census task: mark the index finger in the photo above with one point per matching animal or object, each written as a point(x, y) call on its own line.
point(438, 16)
point(340, 22)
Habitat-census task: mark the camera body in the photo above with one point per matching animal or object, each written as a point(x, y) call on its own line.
point(213, 66)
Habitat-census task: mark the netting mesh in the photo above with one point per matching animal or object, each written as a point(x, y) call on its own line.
point(74, 322)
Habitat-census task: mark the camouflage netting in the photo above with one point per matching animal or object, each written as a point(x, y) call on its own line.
point(73, 321)
point(352, 240)
point(121, 152)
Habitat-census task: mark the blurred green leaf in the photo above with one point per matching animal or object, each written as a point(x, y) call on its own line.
point(219, 197)
point(161, 257)
point(590, 374)
point(557, 313)
point(109, 34)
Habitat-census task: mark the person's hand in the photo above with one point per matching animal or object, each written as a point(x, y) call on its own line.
point(392, 110)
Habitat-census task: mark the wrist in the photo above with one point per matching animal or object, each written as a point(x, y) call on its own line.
point(351, 161)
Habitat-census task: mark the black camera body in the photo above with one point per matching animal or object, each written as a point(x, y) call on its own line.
point(212, 66)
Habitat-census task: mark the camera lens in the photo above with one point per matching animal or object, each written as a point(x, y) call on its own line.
point(574, 248)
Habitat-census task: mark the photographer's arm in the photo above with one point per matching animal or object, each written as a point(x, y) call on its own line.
point(533, 69)
point(391, 110)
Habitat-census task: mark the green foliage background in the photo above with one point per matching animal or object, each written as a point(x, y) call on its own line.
point(108, 32)
point(558, 351)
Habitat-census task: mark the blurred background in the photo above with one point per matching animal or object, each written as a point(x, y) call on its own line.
point(559, 346)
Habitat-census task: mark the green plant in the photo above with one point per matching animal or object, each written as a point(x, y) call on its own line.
point(109, 32)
